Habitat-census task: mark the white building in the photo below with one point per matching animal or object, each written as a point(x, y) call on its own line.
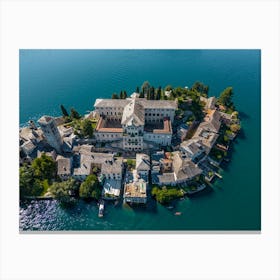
point(142, 164)
point(134, 121)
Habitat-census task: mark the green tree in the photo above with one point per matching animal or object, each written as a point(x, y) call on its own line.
point(90, 188)
point(26, 180)
point(152, 93)
point(201, 88)
point(29, 184)
point(87, 129)
point(64, 191)
point(168, 88)
point(44, 167)
point(225, 98)
point(74, 114)
point(131, 163)
point(124, 95)
point(145, 87)
point(164, 195)
point(158, 94)
point(64, 111)
point(235, 128)
point(115, 96)
point(137, 89)
point(121, 95)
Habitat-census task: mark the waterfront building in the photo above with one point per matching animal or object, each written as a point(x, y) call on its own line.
point(208, 130)
point(50, 132)
point(134, 121)
point(135, 192)
point(111, 189)
point(176, 169)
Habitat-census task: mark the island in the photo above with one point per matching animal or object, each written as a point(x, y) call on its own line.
point(160, 144)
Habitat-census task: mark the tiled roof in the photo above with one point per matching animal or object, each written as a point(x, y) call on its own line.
point(142, 162)
point(133, 114)
point(63, 165)
point(184, 169)
point(110, 103)
point(154, 104)
point(166, 178)
point(112, 166)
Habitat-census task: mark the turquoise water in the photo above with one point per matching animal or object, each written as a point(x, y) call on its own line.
point(76, 78)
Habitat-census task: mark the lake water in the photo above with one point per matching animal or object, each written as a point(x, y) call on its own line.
point(75, 78)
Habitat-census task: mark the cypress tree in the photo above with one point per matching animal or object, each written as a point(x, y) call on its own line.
point(74, 114)
point(124, 95)
point(64, 111)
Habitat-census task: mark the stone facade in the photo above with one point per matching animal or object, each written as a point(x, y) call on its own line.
point(135, 120)
point(50, 132)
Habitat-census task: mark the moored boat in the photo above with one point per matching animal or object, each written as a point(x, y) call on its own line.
point(101, 209)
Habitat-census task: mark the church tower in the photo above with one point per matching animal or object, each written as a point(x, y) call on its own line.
point(51, 132)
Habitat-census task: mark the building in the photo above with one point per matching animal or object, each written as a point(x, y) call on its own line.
point(184, 169)
point(209, 102)
point(135, 192)
point(182, 131)
point(28, 147)
point(51, 133)
point(64, 167)
point(111, 189)
point(87, 160)
point(156, 158)
point(112, 169)
point(181, 170)
point(193, 149)
point(134, 121)
point(208, 131)
point(142, 164)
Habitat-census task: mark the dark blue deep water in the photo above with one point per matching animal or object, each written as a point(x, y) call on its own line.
point(75, 78)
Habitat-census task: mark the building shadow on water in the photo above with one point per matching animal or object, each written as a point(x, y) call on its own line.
point(241, 135)
point(243, 116)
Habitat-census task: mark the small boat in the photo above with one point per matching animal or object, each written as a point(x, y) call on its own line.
point(178, 213)
point(170, 207)
point(101, 209)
